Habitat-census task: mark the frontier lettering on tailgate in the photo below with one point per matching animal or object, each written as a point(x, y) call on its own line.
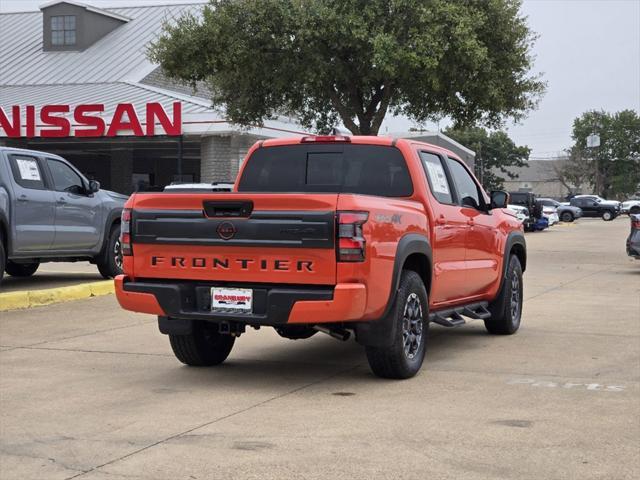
point(226, 263)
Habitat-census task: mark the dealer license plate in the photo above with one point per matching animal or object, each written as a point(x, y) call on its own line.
point(232, 299)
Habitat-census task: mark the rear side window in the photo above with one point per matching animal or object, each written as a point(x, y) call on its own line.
point(328, 168)
point(27, 171)
point(438, 181)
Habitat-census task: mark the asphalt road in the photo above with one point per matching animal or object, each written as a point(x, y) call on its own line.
point(92, 392)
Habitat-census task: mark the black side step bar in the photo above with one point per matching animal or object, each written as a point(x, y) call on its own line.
point(452, 317)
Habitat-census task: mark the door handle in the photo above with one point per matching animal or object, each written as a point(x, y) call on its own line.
point(61, 201)
point(440, 220)
point(23, 198)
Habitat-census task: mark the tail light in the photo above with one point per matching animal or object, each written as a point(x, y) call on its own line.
point(125, 232)
point(351, 242)
point(635, 223)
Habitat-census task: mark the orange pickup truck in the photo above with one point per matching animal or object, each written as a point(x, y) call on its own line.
point(343, 235)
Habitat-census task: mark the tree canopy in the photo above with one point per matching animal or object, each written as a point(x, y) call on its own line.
point(613, 168)
point(356, 60)
point(495, 152)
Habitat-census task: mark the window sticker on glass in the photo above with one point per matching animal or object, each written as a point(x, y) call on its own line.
point(28, 169)
point(438, 177)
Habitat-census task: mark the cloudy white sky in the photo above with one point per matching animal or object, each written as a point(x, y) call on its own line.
point(588, 51)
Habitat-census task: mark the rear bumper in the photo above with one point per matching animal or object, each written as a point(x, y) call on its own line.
point(272, 304)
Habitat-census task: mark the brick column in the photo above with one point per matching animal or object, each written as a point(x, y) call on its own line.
point(220, 156)
point(215, 159)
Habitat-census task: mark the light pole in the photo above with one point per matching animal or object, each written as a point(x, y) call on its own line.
point(593, 142)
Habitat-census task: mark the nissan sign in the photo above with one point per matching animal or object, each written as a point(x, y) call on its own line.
point(54, 121)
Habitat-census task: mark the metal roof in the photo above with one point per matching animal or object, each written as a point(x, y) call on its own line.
point(117, 57)
point(110, 94)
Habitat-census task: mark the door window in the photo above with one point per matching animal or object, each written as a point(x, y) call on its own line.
point(65, 179)
point(27, 172)
point(468, 192)
point(438, 181)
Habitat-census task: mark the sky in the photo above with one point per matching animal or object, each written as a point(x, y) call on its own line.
point(588, 52)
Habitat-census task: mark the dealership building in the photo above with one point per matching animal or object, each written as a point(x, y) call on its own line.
point(75, 81)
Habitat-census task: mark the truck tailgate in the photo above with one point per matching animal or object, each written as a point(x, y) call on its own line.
point(235, 237)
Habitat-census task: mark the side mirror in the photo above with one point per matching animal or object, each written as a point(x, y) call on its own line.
point(94, 186)
point(499, 199)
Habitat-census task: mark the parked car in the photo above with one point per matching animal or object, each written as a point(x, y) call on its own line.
point(199, 187)
point(521, 213)
point(540, 224)
point(633, 242)
point(529, 201)
point(364, 235)
point(566, 212)
point(551, 215)
point(49, 212)
point(595, 206)
point(630, 206)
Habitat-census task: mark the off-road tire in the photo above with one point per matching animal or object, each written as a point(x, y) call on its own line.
point(567, 217)
point(634, 210)
point(3, 259)
point(608, 215)
point(505, 316)
point(21, 269)
point(395, 361)
point(203, 347)
point(108, 264)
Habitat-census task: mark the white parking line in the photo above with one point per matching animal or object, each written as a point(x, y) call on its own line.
point(592, 387)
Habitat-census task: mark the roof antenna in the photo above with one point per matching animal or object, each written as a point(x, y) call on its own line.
point(337, 131)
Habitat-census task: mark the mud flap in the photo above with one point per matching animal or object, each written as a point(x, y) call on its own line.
point(175, 326)
point(378, 333)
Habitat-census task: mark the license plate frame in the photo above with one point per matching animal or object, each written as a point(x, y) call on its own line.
point(236, 300)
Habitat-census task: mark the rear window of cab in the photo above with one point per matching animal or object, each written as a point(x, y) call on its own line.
point(328, 168)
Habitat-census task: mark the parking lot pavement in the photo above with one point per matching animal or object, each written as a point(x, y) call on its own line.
point(53, 275)
point(92, 392)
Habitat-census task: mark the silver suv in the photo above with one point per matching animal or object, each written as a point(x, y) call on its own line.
point(49, 212)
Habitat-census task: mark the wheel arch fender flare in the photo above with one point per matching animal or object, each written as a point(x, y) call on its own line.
point(381, 332)
point(411, 244)
point(515, 243)
point(5, 233)
point(113, 217)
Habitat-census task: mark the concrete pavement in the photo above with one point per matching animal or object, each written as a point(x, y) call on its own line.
point(92, 392)
point(53, 275)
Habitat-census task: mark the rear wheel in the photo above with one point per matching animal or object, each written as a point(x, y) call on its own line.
point(203, 347)
point(566, 217)
point(410, 312)
point(110, 261)
point(21, 269)
point(607, 215)
point(506, 310)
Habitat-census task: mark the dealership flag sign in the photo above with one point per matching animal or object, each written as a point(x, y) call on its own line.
point(56, 121)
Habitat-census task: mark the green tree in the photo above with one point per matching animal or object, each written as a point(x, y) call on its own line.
point(613, 168)
point(495, 152)
point(356, 60)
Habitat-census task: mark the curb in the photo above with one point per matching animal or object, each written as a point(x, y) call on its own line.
point(39, 298)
